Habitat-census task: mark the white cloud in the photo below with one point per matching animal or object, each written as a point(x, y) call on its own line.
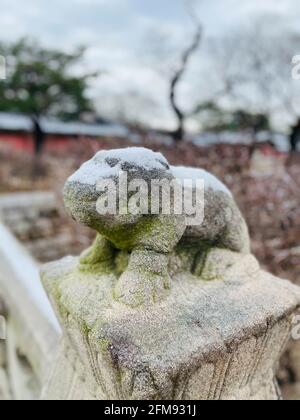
point(114, 30)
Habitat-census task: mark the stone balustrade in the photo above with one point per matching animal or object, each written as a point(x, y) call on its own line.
point(37, 220)
point(32, 331)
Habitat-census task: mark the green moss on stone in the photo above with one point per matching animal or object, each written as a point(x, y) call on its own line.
point(104, 345)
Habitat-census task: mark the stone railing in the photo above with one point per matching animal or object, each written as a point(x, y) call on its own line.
point(35, 218)
point(32, 333)
point(157, 308)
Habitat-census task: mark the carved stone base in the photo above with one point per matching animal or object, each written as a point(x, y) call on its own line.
point(205, 341)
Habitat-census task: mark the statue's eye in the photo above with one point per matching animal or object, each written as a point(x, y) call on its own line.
point(112, 162)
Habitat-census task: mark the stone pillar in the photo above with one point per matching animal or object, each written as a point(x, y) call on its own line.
point(154, 311)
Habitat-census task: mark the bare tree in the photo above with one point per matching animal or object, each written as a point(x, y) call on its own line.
point(180, 72)
point(260, 74)
point(172, 66)
point(252, 72)
point(248, 70)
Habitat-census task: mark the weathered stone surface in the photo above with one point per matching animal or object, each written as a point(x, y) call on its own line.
point(148, 312)
point(151, 239)
point(157, 310)
point(289, 372)
point(206, 340)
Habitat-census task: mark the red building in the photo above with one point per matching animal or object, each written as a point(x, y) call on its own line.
point(16, 131)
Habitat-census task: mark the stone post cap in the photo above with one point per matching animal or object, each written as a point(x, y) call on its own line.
point(206, 340)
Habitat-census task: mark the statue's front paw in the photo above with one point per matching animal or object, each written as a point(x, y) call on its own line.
point(139, 288)
point(99, 257)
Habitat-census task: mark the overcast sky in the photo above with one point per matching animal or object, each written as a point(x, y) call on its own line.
point(115, 30)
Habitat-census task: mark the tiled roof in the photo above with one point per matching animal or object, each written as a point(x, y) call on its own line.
point(19, 122)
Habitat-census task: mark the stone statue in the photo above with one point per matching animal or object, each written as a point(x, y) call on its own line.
point(167, 304)
point(144, 248)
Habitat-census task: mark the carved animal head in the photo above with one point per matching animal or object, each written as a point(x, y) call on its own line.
point(88, 187)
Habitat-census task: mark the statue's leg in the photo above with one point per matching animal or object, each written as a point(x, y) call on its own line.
point(237, 237)
point(100, 256)
point(146, 279)
point(225, 251)
point(213, 263)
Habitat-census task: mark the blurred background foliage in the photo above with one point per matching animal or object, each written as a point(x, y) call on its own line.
point(40, 82)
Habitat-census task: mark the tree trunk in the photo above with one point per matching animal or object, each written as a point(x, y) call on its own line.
point(39, 142)
point(179, 133)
